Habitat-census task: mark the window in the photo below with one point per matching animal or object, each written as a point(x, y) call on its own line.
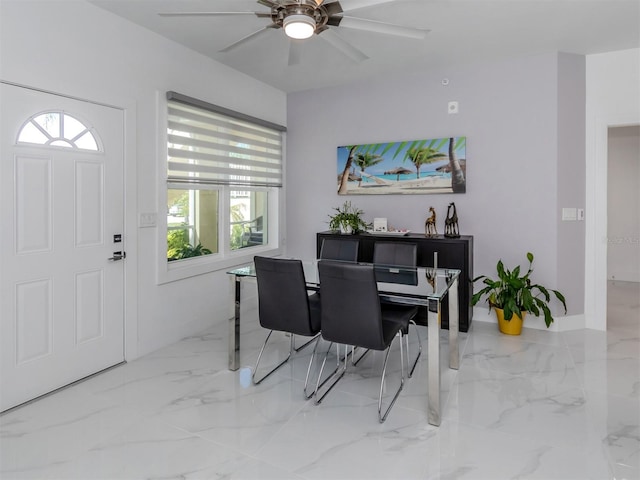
point(58, 129)
point(248, 216)
point(224, 171)
point(191, 222)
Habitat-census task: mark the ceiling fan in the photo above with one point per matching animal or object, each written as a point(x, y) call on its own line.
point(301, 19)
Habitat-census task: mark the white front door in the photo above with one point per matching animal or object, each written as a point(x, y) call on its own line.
point(61, 206)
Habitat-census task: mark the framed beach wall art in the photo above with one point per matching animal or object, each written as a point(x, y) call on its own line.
point(428, 166)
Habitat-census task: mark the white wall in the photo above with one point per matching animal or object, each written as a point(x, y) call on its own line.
point(74, 48)
point(613, 99)
point(623, 199)
point(509, 112)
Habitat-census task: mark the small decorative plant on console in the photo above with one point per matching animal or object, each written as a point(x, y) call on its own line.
point(348, 219)
point(513, 295)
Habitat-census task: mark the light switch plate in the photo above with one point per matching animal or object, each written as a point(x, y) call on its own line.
point(146, 220)
point(569, 214)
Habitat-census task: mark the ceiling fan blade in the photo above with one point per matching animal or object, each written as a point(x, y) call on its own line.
point(349, 5)
point(203, 14)
point(345, 47)
point(246, 39)
point(333, 8)
point(381, 27)
point(268, 3)
point(295, 52)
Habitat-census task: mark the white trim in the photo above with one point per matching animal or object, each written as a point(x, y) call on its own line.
point(595, 307)
point(130, 234)
point(560, 324)
point(119, 105)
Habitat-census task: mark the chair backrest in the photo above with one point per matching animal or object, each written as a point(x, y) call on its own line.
point(344, 249)
point(399, 254)
point(395, 253)
point(350, 306)
point(283, 303)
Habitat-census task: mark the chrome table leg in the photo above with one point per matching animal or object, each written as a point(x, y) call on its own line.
point(454, 326)
point(433, 354)
point(234, 324)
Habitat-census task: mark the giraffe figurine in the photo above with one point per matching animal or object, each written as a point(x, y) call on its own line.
point(430, 229)
point(451, 229)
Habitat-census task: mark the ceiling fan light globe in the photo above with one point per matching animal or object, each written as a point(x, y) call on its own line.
point(299, 26)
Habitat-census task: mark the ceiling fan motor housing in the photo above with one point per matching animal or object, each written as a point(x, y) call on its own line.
point(320, 14)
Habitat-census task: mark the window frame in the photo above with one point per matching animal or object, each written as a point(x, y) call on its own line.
point(72, 142)
point(225, 258)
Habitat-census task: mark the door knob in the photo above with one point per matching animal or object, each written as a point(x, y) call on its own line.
point(117, 256)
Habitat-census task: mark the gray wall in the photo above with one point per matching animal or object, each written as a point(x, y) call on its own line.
point(509, 112)
point(571, 175)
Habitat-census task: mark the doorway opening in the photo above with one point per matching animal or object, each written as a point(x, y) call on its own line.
point(623, 227)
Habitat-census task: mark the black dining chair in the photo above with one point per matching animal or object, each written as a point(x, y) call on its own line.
point(284, 305)
point(399, 254)
point(395, 253)
point(344, 249)
point(352, 315)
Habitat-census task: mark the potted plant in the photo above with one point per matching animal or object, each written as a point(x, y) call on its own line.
point(347, 219)
point(513, 295)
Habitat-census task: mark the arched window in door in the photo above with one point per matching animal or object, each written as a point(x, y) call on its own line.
point(59, 129)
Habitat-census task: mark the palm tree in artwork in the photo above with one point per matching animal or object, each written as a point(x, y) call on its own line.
point(365, 160)
point(420, 156)
point(368, 149)
point(344, 177)
point(458, 182)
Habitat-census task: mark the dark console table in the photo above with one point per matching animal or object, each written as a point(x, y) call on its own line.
point(452, 253)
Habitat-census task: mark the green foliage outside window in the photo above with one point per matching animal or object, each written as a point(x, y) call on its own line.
point(176, 239)
point(237, 231)
point(178, 246)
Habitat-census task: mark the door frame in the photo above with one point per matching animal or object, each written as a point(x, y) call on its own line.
point(130, 233)
point(596, 222)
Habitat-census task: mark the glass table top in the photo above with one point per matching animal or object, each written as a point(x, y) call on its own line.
point(397, 281)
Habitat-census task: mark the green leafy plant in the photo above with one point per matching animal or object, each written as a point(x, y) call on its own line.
point(186, 251)
point(515, 293)
point(177, 239)
point(348, 217)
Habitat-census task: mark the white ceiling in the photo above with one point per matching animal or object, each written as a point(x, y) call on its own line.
point(461, 31)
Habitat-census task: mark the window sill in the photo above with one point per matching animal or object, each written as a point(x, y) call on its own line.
point(182, 269)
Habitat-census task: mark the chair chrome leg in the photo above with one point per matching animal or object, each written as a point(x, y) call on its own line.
point(419, 349)
point(306, 344)
point(255, 370)
point(337, 374)
point(383, 417)
point(355, 362)
point(306, 380)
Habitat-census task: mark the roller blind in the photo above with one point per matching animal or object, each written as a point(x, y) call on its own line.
point(208, 144)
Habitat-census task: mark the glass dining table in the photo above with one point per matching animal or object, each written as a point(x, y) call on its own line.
point(422, 286)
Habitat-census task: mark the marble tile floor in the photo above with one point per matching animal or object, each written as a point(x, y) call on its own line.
point(543, 405)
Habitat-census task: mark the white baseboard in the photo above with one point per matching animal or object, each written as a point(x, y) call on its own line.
point(560, 324)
